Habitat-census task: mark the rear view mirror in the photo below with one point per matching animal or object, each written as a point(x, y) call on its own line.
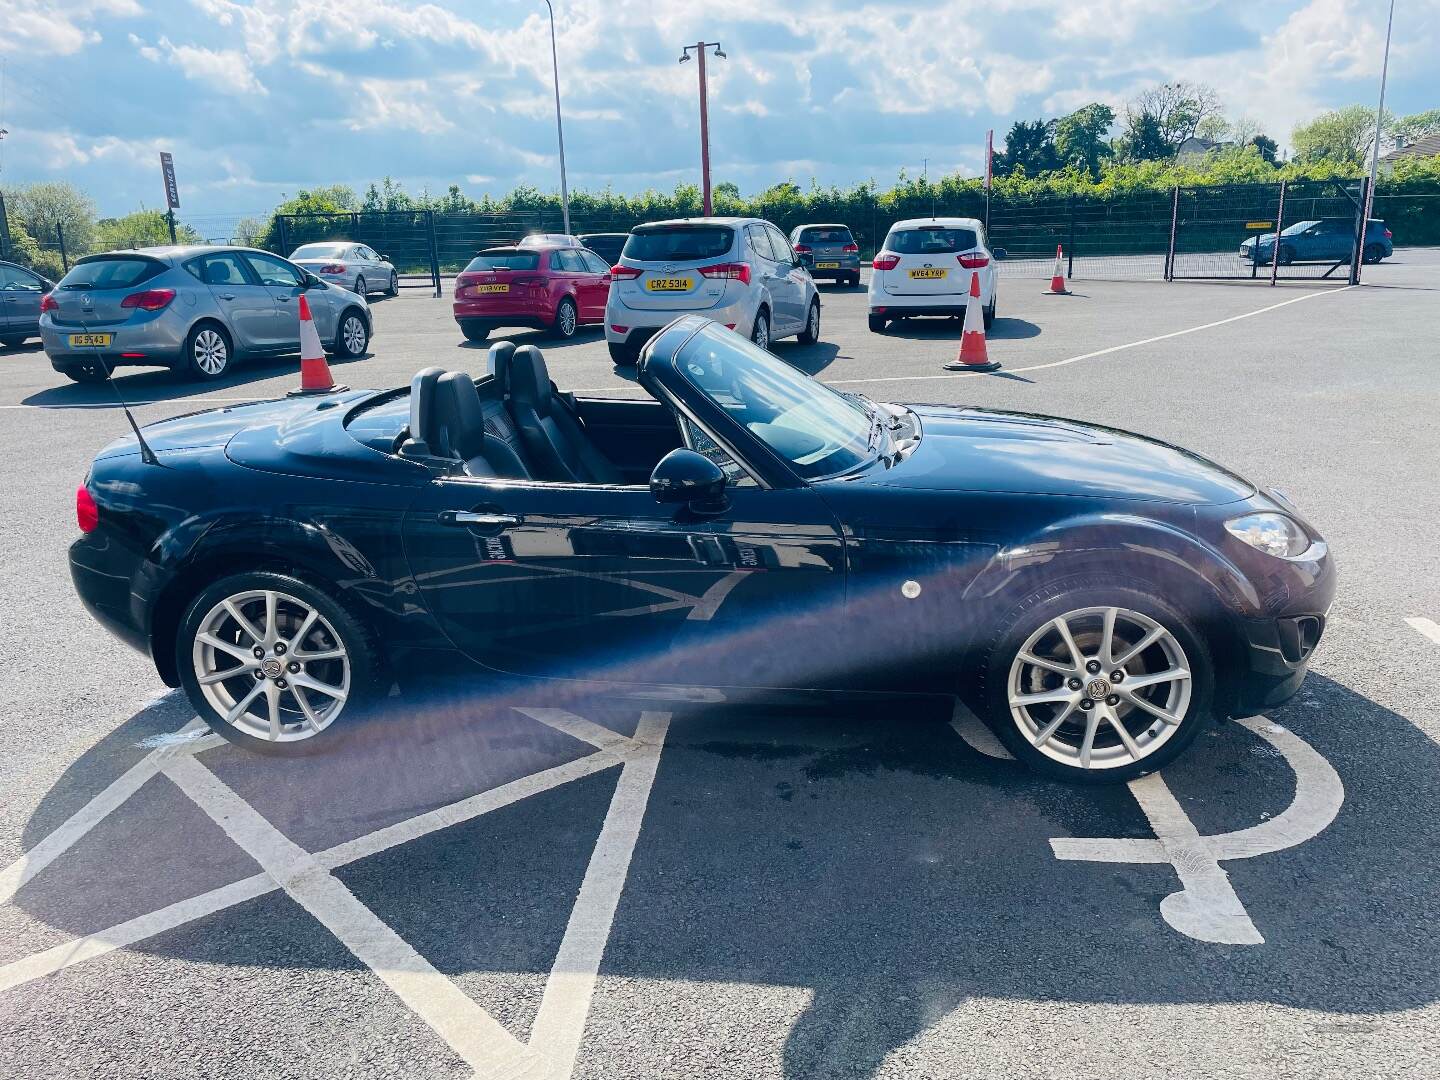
point(683, 476)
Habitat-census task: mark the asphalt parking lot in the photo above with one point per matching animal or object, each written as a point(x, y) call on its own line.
point(625, 888)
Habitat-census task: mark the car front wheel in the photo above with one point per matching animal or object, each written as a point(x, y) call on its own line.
point(272, 663)
point(1096, 681)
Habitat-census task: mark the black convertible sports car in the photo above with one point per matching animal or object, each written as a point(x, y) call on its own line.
point(1094, 595)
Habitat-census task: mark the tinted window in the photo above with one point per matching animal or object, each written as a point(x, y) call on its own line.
point(272, 271)
point(505, 260)
point(760, 241)
point(781, 244)
point(679, 242)
point(929, 241)
point(825, 236)
point(595, 264)
point(222, 268)
point(819, 431)
point(12, 277)
point(110, 272)
point(568, 261)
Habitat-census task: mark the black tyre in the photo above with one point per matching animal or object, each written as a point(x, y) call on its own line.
point(393, 289)
point(474, 330)
point(878, 324)
point(811, 334)
point(360, 286)
point(989, 314)
point(855, 281)
point(284, 677)
point(1286, 255)
point(760, 332)
point(1136, 695)
point(567, 320)
point(209, 353)
point(88, 371)
point(352, 334)
point(1373, 253)
point(622, 354)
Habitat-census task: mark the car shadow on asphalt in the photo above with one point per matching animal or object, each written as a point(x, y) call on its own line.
point(883, 866)
point(541, 339)
point(811, 359)
point(21, 349)
point(143, 385)
point(1004, 328)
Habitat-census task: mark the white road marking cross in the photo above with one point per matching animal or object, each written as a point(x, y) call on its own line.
point(475, 1036)
point(1206, 908)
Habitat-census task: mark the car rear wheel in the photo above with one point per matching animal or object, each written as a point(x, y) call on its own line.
point(854, 281)
point(878, 324)
point(360, 287)
point(271, 663)
point(760, 332)
point(1373, 253)
point(208, 351)
point(990, 315)
point(567, 320)
point(1286, 255)
point(475, 330)
point(1096, 680)
point(352, 337)
point(811, 334)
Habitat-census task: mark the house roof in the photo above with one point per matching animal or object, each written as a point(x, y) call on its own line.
point(1429, 146)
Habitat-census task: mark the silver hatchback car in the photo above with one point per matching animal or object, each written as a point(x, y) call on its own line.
point(194, 309)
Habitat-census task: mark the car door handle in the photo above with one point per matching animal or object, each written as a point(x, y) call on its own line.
point(226, 295)
point(478, 517)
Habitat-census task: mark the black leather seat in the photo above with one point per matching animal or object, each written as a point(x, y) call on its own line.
point(422, 410)
point(556, 445)
point(494, 389)
point(457, 430)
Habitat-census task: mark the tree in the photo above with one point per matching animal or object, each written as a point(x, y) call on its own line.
point(1169, 114)
point(335, 199)
point(1144, 140)
point(40, 207)
point(1214, 129)
point(1417, 125)
point(1080, 138)
point(1029, 147)
point(1342, 136)
point(143, 228)
point(389, 196)
point(1269, 149)
point(22, 247)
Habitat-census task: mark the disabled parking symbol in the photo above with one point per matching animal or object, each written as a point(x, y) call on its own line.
point(1207, 907)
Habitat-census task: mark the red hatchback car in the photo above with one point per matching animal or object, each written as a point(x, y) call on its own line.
point(550, 288)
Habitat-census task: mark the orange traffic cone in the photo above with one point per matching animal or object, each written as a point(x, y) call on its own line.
point(1057, 279)
point(314, 371)
point(973, 356)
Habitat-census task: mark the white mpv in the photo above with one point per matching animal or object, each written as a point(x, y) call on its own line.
point(925, 267)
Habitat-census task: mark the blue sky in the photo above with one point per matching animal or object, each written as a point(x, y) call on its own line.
point(258, 98)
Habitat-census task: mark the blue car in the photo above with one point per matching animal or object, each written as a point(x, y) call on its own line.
point(1326, 240)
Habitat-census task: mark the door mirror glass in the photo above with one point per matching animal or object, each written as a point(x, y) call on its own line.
point(805, 259)
point(683, 476)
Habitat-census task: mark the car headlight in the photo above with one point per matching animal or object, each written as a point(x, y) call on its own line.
point(1274, 534)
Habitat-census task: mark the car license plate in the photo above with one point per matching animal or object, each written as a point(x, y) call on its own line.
point(89, 341)
point(827, 266)
point(929, 273)
point(492, 288)
point(670, 284)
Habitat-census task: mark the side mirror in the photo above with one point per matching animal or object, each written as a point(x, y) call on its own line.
point(311, 282)
point(683, 476)
point(805, 259)
point(999, 253)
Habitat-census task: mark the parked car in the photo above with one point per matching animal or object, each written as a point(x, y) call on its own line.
point(1325, 240)
point(1095, 595)
point(21, 292)
point(607, 245)
point(195, 309)
point(740, 272)
point(835, 254)
point(925, 267)
point(557, 287)
point(351, 266)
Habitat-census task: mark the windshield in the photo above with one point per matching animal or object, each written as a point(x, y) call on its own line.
point(1299, 227)
point(818, 431)
point(504, 260)
point(930, 241)
point(679, 242)
point(319, 251)
point(110, 272)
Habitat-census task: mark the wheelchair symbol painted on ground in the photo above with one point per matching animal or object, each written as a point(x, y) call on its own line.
point(1207, 907)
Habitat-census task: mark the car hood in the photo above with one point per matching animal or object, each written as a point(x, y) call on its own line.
point(971, 449)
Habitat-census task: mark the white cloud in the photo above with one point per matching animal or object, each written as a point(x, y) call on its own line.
point(398, 105)
point(225, 70)
point(42, 28)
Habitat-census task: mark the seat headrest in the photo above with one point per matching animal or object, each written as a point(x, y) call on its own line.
point(497, 364)
point(422, 403)
point(459, 418)
point(530, 379)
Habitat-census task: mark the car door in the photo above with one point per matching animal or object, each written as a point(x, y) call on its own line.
point(597, 283)
point(1335, 240)
point(20, 294)
point(377, 274)
point(768, 273)
point(568, 271)
point(247, 306)
point(793, 278)
point(531, 578)
point(285, 283)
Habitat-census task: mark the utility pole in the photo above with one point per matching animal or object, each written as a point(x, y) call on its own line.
point(559, 127)
point(1375, 148)
point(699, 48)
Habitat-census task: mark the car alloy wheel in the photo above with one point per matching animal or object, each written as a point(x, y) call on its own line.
point(271, 666)
point(360, 286)
point(760, 335)
point(394, 289)
point(811, 334)
point(1099, 688)
point(353, 334)
point(210, 352)
point(566, 319)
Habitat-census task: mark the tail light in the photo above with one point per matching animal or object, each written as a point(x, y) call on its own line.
point(87, 514)
point(1388, 236)
point(851, 249)
point(149, 300)
point(734, 271)
point(625, 273)
point(49, 303)
point(802, 249)
point(885, 261)
point(332, 268)
point(974, 262)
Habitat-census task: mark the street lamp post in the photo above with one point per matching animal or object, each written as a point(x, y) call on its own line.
point(559, 126)
point(699, 49)
point(1375, 146)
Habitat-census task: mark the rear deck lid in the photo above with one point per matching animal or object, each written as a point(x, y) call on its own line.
point(91, 293)
point(927, 261)
point(669, 260)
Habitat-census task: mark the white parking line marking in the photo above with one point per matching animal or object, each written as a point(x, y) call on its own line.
point(565, 1005)
point(477, 1037)
point(577, 727)
point(1103, 352)
point(1426, 627)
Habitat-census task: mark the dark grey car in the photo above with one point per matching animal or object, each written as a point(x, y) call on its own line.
point(192, 308)
point(20, 293)
point(832, 248)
